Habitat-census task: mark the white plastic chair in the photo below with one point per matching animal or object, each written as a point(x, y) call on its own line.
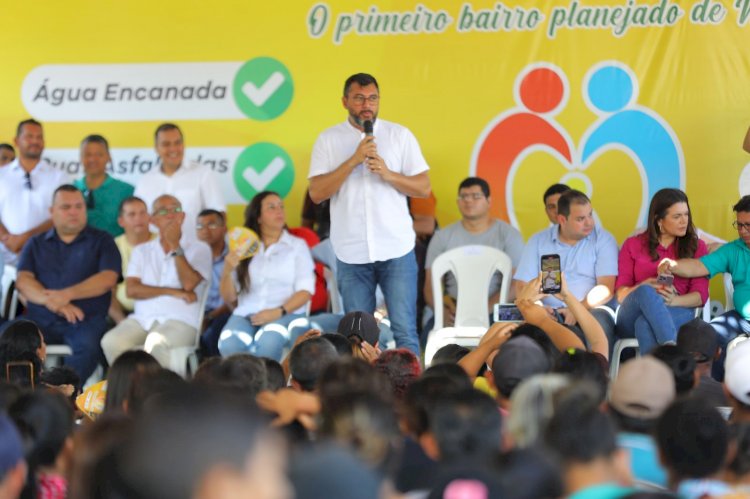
point(466, 336)
point(184, 359)
point(9, 293)
point(728, 292)
point(336, 304)
point(473, 267)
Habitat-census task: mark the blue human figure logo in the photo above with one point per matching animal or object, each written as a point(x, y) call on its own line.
point(611, 92)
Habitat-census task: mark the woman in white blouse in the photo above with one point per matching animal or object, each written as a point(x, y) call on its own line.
point(271, 289)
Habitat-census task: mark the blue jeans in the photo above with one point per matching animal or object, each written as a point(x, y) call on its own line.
point(728, 326)
point(329, 323)
point(240, 336)
point(644, 315)
point(210, 335)
point(398, 280)
point(83, 338)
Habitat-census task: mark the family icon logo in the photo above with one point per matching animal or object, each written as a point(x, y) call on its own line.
point(610, 91)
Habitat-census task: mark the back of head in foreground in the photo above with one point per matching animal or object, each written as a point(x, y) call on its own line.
point(192, 441)
point(693, 439)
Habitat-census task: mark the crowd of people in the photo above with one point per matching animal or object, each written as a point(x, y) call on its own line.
point(299, 397)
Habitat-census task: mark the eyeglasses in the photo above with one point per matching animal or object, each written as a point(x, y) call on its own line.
point(167, 211)
point(360, 99)
point(473, 195)
point(740, 226)
point(89, 195)
point(211, 226)
point(27, 176)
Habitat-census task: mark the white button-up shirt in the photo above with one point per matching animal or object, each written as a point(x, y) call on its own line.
point(193, 184)
point(21, 208)
point(154, 267)
point(276, 273)
point(370, 219)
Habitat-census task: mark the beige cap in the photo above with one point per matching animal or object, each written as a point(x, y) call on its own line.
point(643, 389)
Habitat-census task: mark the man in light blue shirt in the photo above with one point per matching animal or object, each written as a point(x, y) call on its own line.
point(588, 258)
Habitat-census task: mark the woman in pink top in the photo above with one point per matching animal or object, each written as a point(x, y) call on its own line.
point(649, 310)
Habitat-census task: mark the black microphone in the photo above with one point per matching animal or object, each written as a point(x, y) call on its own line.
point(367, 125)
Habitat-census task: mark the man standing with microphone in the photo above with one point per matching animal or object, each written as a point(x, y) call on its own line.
point(367, 167)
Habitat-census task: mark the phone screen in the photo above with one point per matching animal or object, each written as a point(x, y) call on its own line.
point(507, 313)
point(551, 280)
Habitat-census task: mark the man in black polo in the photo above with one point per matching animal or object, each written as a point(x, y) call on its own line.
point(67, 275)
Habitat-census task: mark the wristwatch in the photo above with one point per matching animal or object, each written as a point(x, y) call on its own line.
point(178, 252)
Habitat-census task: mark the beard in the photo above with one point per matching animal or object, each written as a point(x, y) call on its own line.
point(357, 119)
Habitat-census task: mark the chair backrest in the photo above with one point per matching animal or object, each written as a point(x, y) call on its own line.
point(202, 299)
point(9, 293)
point(728, 292)
point(473, 267)
point(335, 303)
point(438, 338)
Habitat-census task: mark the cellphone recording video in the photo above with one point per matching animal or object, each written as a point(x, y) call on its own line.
point(551, 280)
point(665, 279)
point(506, 312)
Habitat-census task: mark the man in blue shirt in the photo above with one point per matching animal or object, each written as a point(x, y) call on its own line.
point(588, 257)
point(67, 275)
point(212, 230)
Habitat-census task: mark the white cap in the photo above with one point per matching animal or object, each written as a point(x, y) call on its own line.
point(737, 372)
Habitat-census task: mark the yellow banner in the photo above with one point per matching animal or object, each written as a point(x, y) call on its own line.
point(617, 98)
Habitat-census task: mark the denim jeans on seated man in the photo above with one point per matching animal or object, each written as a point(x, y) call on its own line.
point(645, 316)
point(398, 280)
point(82, 337)
point(241, 336)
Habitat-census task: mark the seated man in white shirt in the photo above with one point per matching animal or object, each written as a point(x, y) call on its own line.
point(165, 277)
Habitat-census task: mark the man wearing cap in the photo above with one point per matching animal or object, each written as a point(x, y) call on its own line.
point(737, 382)
point(12, 464)
point(518, 359)
point(368, 184)
point(698, 339)
point(644, 388)
point(732, 258)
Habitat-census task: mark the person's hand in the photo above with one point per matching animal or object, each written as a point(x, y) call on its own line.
point(377, 165)
point(666, 266)
point(71, 313)
point(56, 299)
point(14, 242)
point(532, 313)
point(171, 233)
point(532, 290)
point(498, 333)
point(365, 149)
point(568, 318)
point(667, 293)
point(187, 296)
point(564, 293)
point(284, 404)
point(266, 316)
point(310, 333)
point(368, 353)
point(231, 261)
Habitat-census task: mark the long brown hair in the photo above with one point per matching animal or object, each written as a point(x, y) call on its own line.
point(252, 222)
point(664, 199)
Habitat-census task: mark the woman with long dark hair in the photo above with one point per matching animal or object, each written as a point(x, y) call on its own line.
point(653, 310)
point(270, 289)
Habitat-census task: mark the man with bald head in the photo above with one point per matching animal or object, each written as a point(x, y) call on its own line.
point(166, 277)
point(67, 274)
